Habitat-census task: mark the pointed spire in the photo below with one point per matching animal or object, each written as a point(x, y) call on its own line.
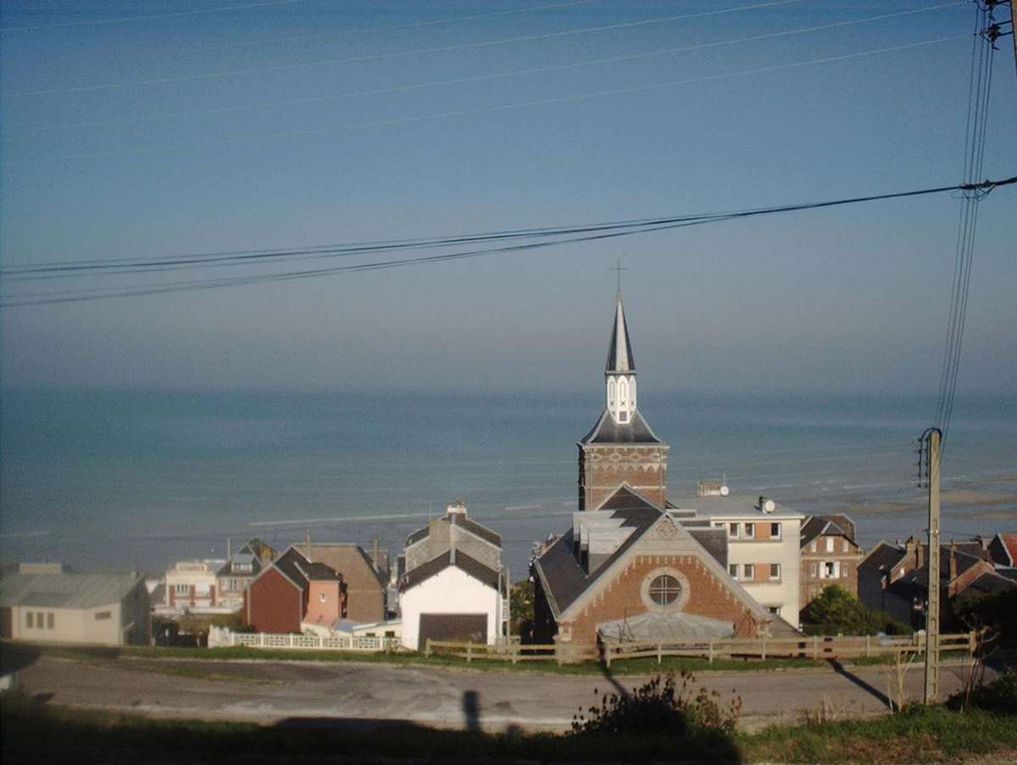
point(619, 354)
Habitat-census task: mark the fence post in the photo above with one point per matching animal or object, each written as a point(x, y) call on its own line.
point(868, 646)
point(469, 652)
point(659, 652)
point(427, 647)
point(710, 653)
point(972, 643)
point(261, 639)
point(764, 650)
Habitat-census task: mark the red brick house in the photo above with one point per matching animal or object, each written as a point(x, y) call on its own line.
point(279, 598)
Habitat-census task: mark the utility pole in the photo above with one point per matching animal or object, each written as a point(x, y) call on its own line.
point(930, 449)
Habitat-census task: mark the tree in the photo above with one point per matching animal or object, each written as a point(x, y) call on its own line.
point(837, 612)
point(521, 609)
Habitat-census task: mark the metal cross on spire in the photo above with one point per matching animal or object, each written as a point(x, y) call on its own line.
point(619, 269)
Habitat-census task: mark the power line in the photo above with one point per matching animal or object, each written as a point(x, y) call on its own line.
point(496, 108)
point(393, 54)
point(603, 232)
point(125, 19)
point(489, 77)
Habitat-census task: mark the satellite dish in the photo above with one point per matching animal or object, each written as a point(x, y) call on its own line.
point(769, 506)
point(724, 491)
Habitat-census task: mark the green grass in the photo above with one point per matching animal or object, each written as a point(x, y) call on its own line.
point(618, 668)
point(34, 733)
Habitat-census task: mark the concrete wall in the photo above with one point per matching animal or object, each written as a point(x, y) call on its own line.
point(762, 549)
point(324, 602)
point(451, 591)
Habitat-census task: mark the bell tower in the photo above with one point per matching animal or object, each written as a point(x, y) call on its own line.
point(621, 448)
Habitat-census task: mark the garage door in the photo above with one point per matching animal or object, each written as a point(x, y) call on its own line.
point(467, 628)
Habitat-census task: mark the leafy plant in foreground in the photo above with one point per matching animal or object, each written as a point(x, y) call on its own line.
point(661, 707)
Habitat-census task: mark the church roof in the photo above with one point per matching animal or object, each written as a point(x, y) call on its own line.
point(565, 576)
point(608, 431)
point(619, 353)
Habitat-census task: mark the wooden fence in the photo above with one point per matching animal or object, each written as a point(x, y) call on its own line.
point(223, 638)
point(815, 647)
point(513, 651)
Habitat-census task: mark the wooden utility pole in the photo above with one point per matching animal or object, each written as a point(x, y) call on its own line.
point(931, 444)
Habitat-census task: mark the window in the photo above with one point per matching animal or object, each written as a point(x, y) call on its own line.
point(773, 609)
point(49, 621)
point(845, 547)
point(182, 589)
point(750, 530)
point(664, 590)
point(29, 620)
point(830, 570)
point(829, 544)
point(813, 570)
point(844, 570)
point(813, 545)
point(774, 571)
point(732, 531)
point(774, 531)
point(749, 571)
point(732, 569)
point(103, 615)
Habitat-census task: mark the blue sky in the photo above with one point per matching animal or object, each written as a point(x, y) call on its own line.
point(261, 126)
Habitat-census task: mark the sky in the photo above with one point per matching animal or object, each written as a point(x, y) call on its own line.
point(158, 128)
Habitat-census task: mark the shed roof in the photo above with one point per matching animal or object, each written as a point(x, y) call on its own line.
point(66, 590)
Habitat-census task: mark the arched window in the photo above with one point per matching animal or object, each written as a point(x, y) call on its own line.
point(623, 394)
point(610, 392)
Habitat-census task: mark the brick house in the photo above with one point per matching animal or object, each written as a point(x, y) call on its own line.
point(895, 578)
point(829, 556)
point(292, 590)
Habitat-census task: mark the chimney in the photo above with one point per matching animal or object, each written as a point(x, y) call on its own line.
point(307, 544)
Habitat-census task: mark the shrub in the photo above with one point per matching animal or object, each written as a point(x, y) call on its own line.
point(837, 612)
point(661, 707)
point(998, 696)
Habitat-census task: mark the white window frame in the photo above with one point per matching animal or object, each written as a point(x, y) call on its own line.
point(775, 577)
point(749, 571)
point(776, 525)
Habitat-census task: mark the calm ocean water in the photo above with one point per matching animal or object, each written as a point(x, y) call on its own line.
point(106, 480)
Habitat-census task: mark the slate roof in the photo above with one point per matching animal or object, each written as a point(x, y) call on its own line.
point(619, 352)
point(607, 431)
point(66, 590)
point(819, 525)
point(989, 584)
point(351, 562)
point(461, 521)
point(449, 559)
point(884, 557)
point(565, 577)
point(1007, 546)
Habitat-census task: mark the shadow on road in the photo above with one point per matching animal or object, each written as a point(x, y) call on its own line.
point(868, 688)
point(14, 658)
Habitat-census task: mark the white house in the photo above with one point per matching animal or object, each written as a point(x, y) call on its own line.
point(44, 603)
point(452, 597)
point(453, 585)
point(762, 547)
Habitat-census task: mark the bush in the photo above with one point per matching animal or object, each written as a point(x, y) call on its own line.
point(998, 696)
point(661, 707)
point(837, 612)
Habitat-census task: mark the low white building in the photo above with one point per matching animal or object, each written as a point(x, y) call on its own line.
point(762, 546)
point(44, 603)
point(453, 586)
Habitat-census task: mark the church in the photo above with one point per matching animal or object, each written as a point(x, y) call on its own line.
point(634, 566)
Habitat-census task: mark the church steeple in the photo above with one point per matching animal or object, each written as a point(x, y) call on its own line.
point(620, 371)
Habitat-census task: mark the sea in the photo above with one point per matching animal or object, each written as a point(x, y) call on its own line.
point(111, 480)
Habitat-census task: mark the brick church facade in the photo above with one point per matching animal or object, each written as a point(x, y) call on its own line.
point(633, 567)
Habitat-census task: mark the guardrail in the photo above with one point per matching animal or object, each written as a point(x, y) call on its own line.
point(806, 647)
point(224, 638)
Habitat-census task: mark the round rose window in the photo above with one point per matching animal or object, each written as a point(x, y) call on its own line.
point(664, 590)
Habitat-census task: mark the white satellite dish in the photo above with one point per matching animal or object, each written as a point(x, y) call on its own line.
point(769, 506)
point(724, 491)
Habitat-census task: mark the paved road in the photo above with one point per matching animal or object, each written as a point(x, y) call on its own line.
point(272, 692)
